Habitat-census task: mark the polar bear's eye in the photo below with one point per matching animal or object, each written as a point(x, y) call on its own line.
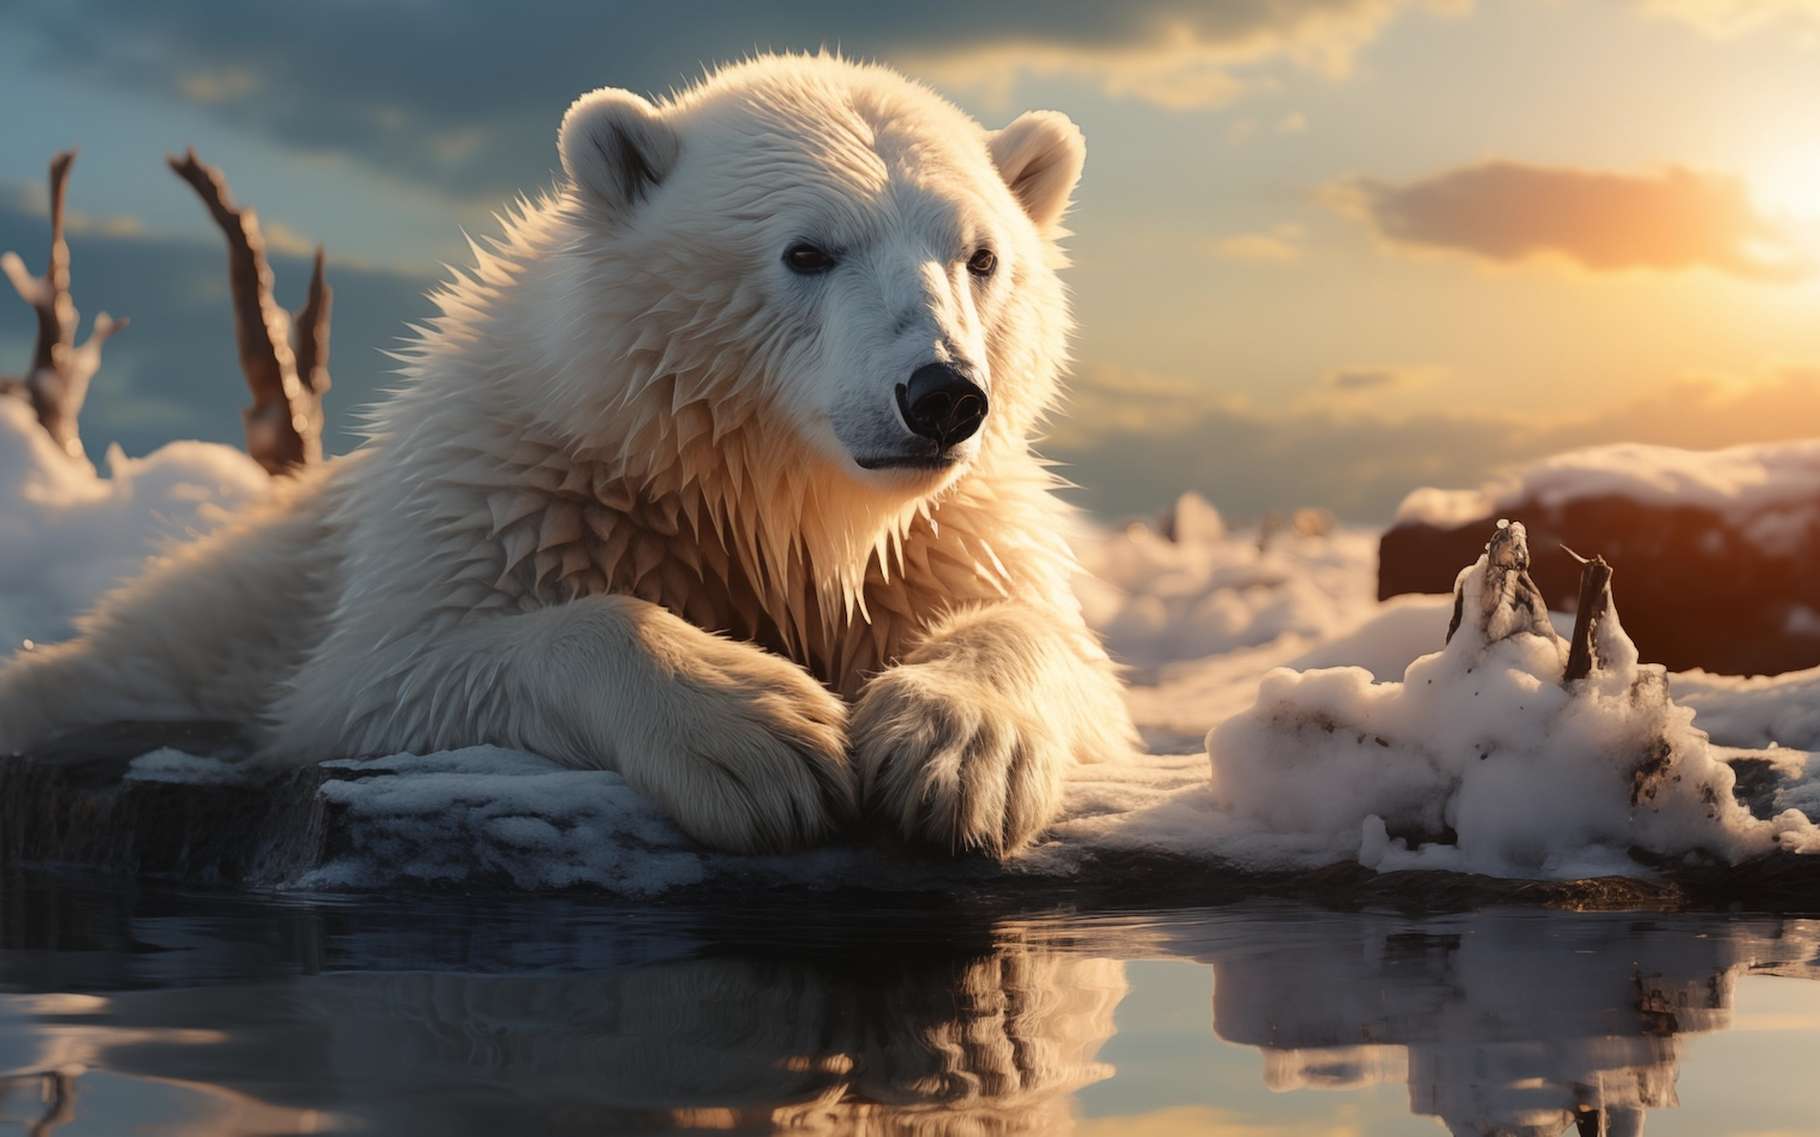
point(807, 259)
point(982, 263)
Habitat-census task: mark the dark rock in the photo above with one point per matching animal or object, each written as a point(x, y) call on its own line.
point(71, 805)
point(1696, 590)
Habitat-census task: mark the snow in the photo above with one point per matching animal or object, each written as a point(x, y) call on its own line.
point(1762, 710)
point(94, 530)
point(1293, 720)
point(175, 767)
point(482, 811)
point(1481, 759)
point(1767, 488)
point(1156, 600)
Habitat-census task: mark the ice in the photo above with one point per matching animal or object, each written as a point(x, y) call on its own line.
point(484, 812)
point(67, 533)
point(169, 765)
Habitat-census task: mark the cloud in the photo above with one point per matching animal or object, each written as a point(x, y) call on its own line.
point(1728, 19)
point(225, 85)
point(1669, 220)
point(282, 239)
point(34, 200)
point(1175, 56)
point(1279, 244)
point(467, 95)
point(1134, 441)
point(1361, 380)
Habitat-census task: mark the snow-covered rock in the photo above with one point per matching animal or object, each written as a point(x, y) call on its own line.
point(1713, 548)
point(1768, 489)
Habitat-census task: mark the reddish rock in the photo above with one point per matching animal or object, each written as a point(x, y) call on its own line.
point(1695, 590)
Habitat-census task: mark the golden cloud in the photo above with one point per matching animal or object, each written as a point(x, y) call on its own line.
point(222, 85)
point(1279, 244)
point(1668, 220)
point(1727, 19)
point(1179, 57)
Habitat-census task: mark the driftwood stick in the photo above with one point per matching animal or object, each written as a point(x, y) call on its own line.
point(1595, 600)
point(58, 381)
point(310, 333)
point(285, 361)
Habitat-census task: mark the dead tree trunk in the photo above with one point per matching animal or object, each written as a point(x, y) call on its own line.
point(1595, 599)
point(58, 380)
point(285, 359)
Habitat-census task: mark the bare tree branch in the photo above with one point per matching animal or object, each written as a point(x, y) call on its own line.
point(310, 333)
point(58, 381)
point(285, 361)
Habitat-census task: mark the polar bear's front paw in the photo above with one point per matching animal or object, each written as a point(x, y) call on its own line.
point(756, 760)
point(943, 759)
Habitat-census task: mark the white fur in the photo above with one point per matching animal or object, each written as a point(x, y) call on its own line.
point(631, 427)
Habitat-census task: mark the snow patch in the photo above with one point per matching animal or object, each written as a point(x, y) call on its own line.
point(67, 533)
point(1762, 710)
point(168, 765)
point(1156, 600)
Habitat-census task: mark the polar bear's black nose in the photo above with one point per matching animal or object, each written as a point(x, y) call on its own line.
point(941, 404)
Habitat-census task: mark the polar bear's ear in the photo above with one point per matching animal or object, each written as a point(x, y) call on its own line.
point(1040, 157)
point(616, 146)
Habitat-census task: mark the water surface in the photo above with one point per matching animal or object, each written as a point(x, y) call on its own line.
point(126, 1011)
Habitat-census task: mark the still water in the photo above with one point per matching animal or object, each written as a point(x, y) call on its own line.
point(127, 1011)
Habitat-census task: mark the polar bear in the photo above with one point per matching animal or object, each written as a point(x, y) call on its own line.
point(715, 470)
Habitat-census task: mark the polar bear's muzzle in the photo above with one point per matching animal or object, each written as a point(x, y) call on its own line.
point(941, 403)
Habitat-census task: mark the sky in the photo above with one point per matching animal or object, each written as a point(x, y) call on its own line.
point(1324, 252)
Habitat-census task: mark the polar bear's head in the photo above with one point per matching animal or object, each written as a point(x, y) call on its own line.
point(826, 252)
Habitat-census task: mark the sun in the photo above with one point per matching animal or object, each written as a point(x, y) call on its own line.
point(1790, 183)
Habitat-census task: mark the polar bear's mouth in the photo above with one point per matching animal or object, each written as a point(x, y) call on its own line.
point(938, 460)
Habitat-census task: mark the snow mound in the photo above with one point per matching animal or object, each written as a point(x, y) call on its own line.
point(1157, 599)
point(1769, 488)
point(67, 534)
point(1481, 759)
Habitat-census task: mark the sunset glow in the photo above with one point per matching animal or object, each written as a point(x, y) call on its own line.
point(1555, 212)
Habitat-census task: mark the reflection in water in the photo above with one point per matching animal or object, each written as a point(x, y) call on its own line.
point(850, 1033)
point(213, 1016)
point(1512, 1023)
